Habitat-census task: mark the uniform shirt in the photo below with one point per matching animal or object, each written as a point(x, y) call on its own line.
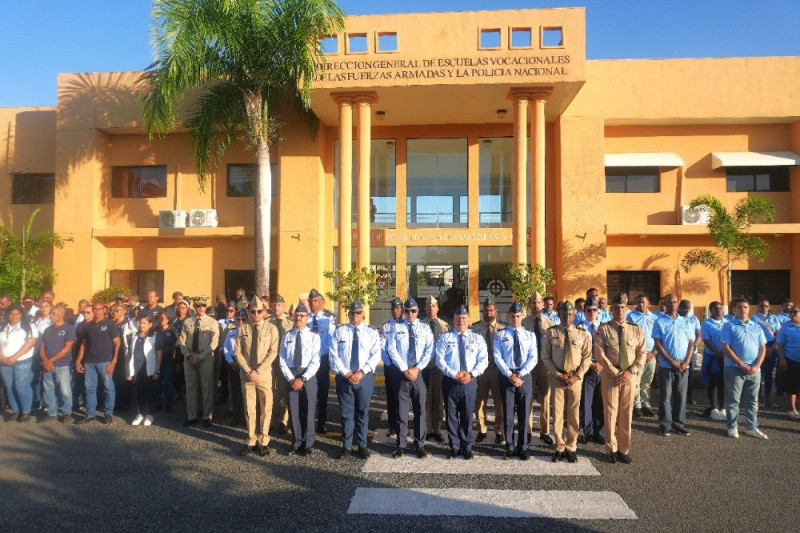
point(166, 339)
point(438, 328)
point(386, 331)
point(490, 329)
point(99, 341)
point(283, 323)
point(12, 338)
point(54, 339)
point(554, 352)
point(591, 329)
point(789, 336)
point(695, 329)
point(229, 345)
point(712, 330)
point(529, 323)
point(675, 334)
point(745, 339)
point(266, 349)
point(602, 316)
point(369, 348)
point(398, 342)
point(784, 317)
point(208, 340)
point(768, 322)
point(645, 321)
point(606, 347)
point(504, 351)
point(324, 323)
point(310, 342)
point(476, 355)
point(553, 317)
point(152, 312)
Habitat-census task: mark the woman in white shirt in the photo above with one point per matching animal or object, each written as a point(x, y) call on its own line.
point(143, 365)
point(42, 321)
point(17, 341)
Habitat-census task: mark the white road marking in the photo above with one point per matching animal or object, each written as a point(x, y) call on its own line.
point(585, 505)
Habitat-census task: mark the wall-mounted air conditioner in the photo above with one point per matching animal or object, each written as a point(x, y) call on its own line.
point(203, 218)
point(694, 216)
point(172, 219)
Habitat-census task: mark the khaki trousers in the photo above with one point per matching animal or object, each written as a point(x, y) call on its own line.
point(257, 396)
point(542, 382)
point(488, 381)
point(434, 403)
point(200, 383)
point(618, 413)
point(281, 409)
point(566, 398)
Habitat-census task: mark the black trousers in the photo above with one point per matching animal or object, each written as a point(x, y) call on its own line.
point(390, 382)
point(411, 393)
point(323, 385)
point(459, 404)
point(144, 389)
point(301, 412)
point(519, 398)
point(235, 388)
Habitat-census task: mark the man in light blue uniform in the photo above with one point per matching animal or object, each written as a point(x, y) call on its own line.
point(355, 353)
point(713, 361)
point(603, 315)
point(410, 348)
point(642, 317)
point(770, 323)
point(674, 340)
point(591, 393)
point(462, 356)
point(516, 355)
point(389, 376)
point(550, 312)
point(744, 345)
point(686, 310)
point(786, 314)
point(299, 363)
point(322, 322)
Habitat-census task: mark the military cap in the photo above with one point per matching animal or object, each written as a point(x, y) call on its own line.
point(230, 304)
point(462, 310)
point(356, 306)
point(565, 306)
point(301, 308)
point(620, 298)
point(591, 302)
point(537, 296)
point(489, 301)
point(201, 300)
point(397, 302)
point(430, 300)
point(257, 303)
point(411, 303)
point(279, 299)
point(314, 293)
point(515, 308)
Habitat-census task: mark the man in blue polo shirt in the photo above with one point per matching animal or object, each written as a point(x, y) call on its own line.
point(642, 317)
point(56, 355)
point(745, 346)
point(673, 336)
point(97, 357)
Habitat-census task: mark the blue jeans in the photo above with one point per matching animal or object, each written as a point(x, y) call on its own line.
point(96, 373)
point(672, 407)
point(18, 381)
point(741, 388)
point(61, 380)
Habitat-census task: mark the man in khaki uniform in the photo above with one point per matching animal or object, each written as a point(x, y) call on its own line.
point(566, 352)
point(619, 347)
point(283, 322)
point(256, 349)
point(432, 375)
point(487, 327)
point(538, 323)
point(199, 339)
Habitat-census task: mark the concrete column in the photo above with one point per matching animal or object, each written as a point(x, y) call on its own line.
point(363, 105)
point(345, 104)
point(538, 233)
point(519, 193)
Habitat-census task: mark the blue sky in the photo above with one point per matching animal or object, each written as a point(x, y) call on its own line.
point(45, 37)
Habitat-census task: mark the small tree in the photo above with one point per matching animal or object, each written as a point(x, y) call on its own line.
point(729, 231)
point(347, 286)
point(527, 279)
point(20, 272)
point(109, 294)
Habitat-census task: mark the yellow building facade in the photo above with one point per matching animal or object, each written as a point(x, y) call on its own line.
point(476, 140)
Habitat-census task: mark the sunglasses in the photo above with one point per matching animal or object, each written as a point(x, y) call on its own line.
point(410, 311)
point(298, 317)
point(255, 311)
point(197, 306)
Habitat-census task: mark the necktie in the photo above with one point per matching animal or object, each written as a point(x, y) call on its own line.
point(254, 346)
point(412, 347)
point(569, 353)
point(517, 351)
point(354, 366)
point(462, 353)
point(623, 348)
point(314, 326)
point(489, 343)
point(298, 351)
point(537, 330)
point(196, 336)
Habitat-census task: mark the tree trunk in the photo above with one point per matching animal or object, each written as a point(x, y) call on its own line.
point(729, 289)
point(262, 225)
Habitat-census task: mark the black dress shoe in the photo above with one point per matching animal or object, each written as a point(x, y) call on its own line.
point(63, 417)
point(572, 457)
point(295, 451)
point(468, 454)
point(207, 423)
point(523, 454)
point(612, 457)
point(342, 454)
point(625, 458)
point(398, 452)
point(508, 454)
point(637, 412)
point(546, 438)
point(452, 454)
point(235, 422)
point(85, 420)
point(24, 417)
point(680, 431)
point(421, 453)
point(322, 429)
point(283, 428)
point(247, 450)
point(499, 439)
point(108, 420)
point(691, 402)
point(307, 451)
point(664, 431)
point(363, 453)
point(707, 412)
point(480, 437)
point(556, 456)
point(189, 422)
point(438, 437)
point(599, 439)
point(262, 450)
point(646, 411)
point(583, 439)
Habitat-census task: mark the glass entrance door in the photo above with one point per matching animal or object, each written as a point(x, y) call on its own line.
point(440, 271)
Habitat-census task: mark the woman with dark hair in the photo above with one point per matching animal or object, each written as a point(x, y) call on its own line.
point(788, 343)
point(711, 372)
point(17, 342)
point(143, 365)
point(166, 338)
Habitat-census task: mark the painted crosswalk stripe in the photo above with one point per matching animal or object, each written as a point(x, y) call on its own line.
point(588, 505)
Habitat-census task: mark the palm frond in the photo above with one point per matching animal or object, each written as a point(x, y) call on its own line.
point(697, 256)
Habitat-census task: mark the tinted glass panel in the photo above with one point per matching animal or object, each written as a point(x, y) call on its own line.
point(139, 182)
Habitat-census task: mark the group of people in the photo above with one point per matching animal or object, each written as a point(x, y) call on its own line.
point(591, 365)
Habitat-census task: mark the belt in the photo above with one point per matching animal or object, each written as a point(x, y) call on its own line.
point(297, 372)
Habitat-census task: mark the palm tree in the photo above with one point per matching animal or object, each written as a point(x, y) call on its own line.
point(729, 230)
point(239, 61)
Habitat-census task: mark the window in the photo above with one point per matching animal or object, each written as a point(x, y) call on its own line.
point(387, 41)
point(138, 281)
point(632, 179)
point(520, 38)
point(329, 44)
point(33, 188)
point(757, 284)
point(382, 193)
point(242, 178)
point(757, 179)
point(436, 183)
point(139, 182)
point(493, 276)
point(634, 282)
point(440, 271)
point(357, 43)
point(489, 39)
point(552, 37)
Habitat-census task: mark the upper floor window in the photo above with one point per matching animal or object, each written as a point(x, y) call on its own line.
point(632, 179)
point(139, 182)
point(33, 188)
point(757, 179)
